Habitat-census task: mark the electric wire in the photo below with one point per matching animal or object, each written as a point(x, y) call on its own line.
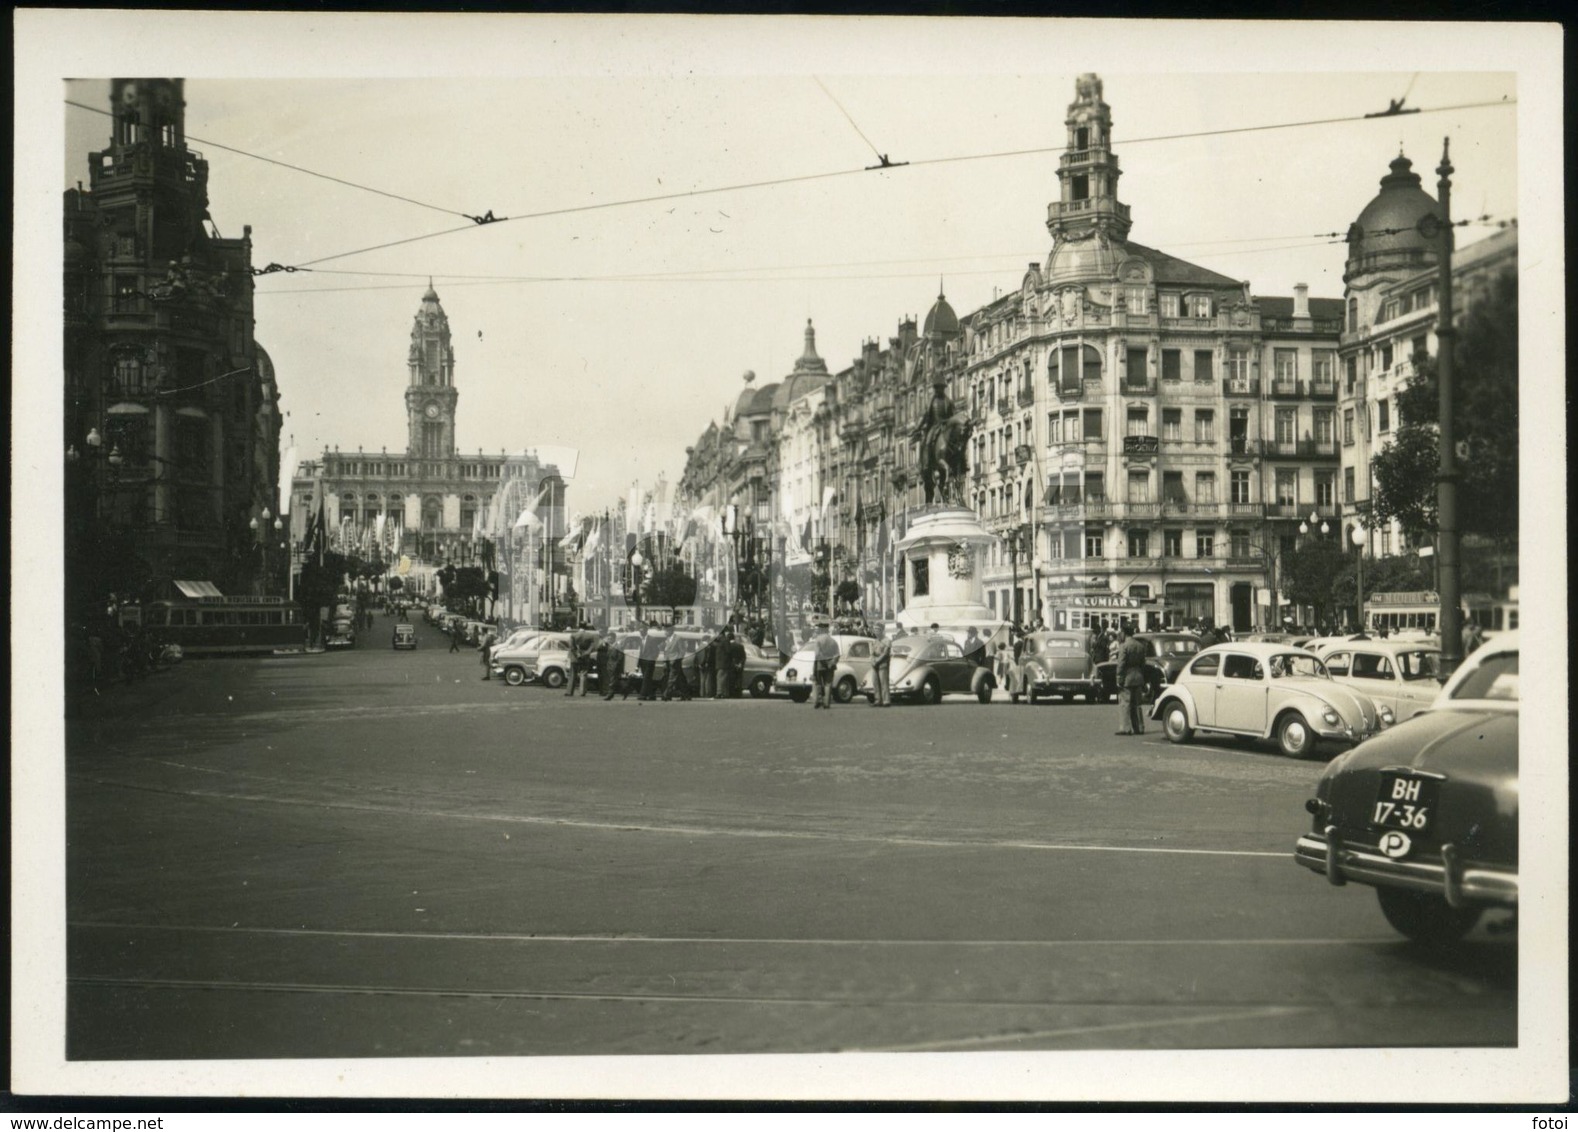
point(288, 165)
point(847, 117)
point(772, 182)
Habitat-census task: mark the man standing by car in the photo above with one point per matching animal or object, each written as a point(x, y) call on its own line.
point(1131, 683)
point(651, 648)
point(706, 660)
point(612, 674)
point(881, 658)
point(455, 636)
point(486, 648)
point(825, 667)
point(736, 667)
point(674, 654)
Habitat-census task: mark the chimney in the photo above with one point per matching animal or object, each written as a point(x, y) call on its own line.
point(1301, 300)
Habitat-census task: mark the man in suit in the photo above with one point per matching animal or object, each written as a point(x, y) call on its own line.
point(652, 642)
point(612, 675)
point(674, 654)
point(1131, 683)
point(736, 667)
point(881, 660)
point(825, 667)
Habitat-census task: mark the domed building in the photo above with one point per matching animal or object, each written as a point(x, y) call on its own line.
point(1391, 280)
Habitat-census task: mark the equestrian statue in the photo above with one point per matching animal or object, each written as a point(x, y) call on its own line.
point(943, 435)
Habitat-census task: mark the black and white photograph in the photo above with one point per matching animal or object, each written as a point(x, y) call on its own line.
point(1161, 422)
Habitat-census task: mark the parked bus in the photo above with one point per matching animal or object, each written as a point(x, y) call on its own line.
point(226, 626)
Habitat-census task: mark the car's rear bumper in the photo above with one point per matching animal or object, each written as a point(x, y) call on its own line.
point(1445, 875)
point(1068, 687)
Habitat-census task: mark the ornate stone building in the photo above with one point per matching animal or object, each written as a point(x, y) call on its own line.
point(1149, 435)
point(1149, 432)
point(1391, 278)
point(171, 408)
point(431, 501)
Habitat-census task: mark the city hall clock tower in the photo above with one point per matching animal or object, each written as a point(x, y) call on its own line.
point(431, 395)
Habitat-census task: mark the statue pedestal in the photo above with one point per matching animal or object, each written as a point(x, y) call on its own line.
point(944, 541)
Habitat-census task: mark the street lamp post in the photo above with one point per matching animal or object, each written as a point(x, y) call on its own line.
point(1359, 540)
point(636, 564)
point(1311, 523)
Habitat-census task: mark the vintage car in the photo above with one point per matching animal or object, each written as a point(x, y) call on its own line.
point(1402, 675)
point(760, 663)
point(404, 635)
point(927, 667)
point(1427, 813)
point(519, 664)
point(341, 634)
point(1165, 657)
point(854, 665)
point(1054, 664)
point(1266, 690)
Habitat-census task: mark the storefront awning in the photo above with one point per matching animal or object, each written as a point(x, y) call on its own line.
point(198, 589)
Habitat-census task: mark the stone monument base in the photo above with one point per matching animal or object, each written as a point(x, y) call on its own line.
point(946, 538)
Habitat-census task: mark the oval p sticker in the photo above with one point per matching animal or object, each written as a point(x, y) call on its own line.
point(1395, 843)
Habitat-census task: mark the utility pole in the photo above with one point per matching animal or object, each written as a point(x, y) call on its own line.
point(1451, 616)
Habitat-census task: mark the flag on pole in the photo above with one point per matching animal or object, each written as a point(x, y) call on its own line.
point(528, 518)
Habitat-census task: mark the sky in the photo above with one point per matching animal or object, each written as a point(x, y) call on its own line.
point(628, 328)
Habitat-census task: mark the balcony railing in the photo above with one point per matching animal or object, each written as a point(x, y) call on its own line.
point(1141, 510)
point(1142, 387)
point(1284, 389)
point(1027, 395)
point(1285, 511)
point(1298, 449)
point(1241, 386)
point(1243, 510)
point(1022, 454)
point(1242, 446)
point(1323, 390)
point(1183, 508)
point(1004, 407)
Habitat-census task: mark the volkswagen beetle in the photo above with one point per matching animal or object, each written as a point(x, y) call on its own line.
point(1266, 690)
point(927, 667)
point(854, 663)
point(1427, 814)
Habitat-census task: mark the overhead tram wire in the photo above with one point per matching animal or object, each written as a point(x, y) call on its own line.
point(294, 168)
point(731, 274)
point(835, 173)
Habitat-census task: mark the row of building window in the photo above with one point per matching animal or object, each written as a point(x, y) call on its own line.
point(397, 469)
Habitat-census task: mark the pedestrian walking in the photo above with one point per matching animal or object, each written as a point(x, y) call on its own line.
point(652, 643)
point(573, 661)
point(612, 676)
point(881, 659)
point(454, 637)
point(1131, 683)
point(825, 667)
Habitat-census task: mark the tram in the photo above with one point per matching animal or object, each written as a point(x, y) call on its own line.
point(226, 626)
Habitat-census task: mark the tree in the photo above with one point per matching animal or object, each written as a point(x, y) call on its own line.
point(1485, 385)
point(1310, 574)
point(671, 586)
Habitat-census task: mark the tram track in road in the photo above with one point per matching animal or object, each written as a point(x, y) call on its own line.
point(960, 994)
point(680, 829)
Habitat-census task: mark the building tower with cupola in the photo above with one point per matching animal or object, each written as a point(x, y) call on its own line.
point(431, 396)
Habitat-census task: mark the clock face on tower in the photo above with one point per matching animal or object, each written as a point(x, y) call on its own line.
point(431, 412)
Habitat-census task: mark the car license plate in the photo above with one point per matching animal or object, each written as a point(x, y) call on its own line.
point(1405, 802)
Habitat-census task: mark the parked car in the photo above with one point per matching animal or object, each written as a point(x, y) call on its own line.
point(1055, 663)
point(925, 668)
point(1165, 657)
point(854, 664)
point(1427, 813)
point(520, 663)
point(1266, 690)
point(341, 635)
point(515, 640)
point(404, 635)
point(1402, 675)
